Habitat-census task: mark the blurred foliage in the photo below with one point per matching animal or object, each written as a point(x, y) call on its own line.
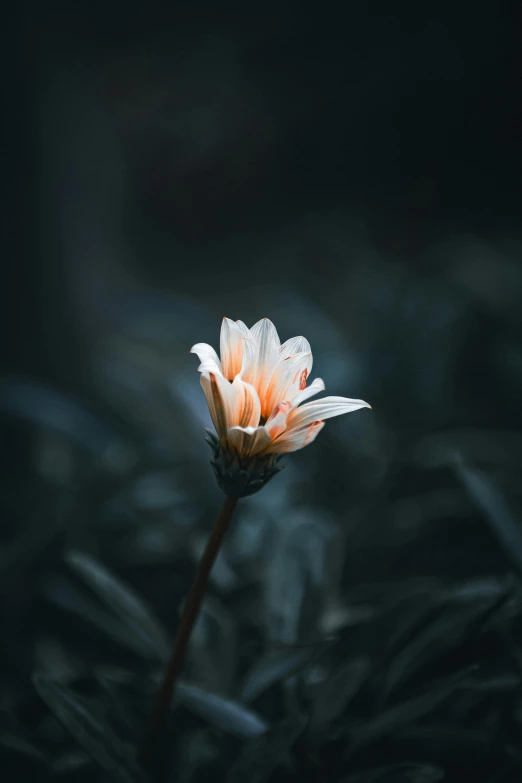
point(363, 623)
point(364, 619)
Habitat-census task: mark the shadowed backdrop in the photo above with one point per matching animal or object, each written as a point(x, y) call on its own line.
point(356, 178)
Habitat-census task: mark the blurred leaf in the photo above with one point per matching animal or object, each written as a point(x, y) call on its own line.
point(91, 731)
point(335, 694)
point(338, 616)
point(397, 717)
point(131, 609)
point(302, 569)
point(58, 411)
point(119, 708)
point(17, 745)
point(422, 648)
point(398, 773)
point(260, 758)
point(212, 647)
point(147, 377)
point(52, 658)
point(502, 518)
point(448, 630)
point(157, 490)
point(285, 611)
point(452, 742)
point(198, 751)
point(489, 273)
point(225, 714)
point(473, 589)
point(273, 667)
point(411, 512)
point(507, 682)
point(63, 593)
point(31, 540)
point(70, 762)
point(418, 615)
point(8, 722)
point(487, 446)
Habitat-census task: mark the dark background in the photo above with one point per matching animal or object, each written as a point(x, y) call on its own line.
point(353, 174)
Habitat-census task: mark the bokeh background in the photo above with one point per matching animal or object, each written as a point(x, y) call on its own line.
point(356, 177)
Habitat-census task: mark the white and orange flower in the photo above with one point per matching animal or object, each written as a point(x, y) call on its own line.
point(256, 390)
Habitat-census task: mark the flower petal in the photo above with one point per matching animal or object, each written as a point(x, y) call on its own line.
point(231, 348)
point(295, 439)
point(216, 414)
point(287, 379)
point(294, 345)
point(208, 366)
point(276, 424)
point(265, 334)
point(248, 440)
point(315, 387)
point(223, 401)
point(249, 352)
point(207, 356)
point(244, 328)
point(247, 405)
point(323, 409)
point(266, 354)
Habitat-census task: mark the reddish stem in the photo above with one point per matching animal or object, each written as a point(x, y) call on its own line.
point(188, 618)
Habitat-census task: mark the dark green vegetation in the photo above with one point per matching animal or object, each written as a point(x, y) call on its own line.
point(364, 620)
point(357, 180)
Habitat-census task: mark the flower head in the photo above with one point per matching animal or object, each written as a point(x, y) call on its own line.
point(255, 394)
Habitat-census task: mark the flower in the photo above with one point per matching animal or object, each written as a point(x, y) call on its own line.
point(255, 394)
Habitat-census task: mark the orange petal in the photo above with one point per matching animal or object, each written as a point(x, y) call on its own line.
point(248, 441)
point(276, 424)
point(231, 348)
point(295, 439)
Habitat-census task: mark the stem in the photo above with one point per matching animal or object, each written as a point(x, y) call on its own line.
point(188, 618)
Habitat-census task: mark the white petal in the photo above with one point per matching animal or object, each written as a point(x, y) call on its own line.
point(287, 379)
point(266, 355)
point(294, 345)
point(323, 409)
point(276, 424)
point(315, 387)
point(247, 405)
point(207, 356)
point(249, 345)
point(249, 353)
point(265, 331)
point(216, 415)
point(265, 335)
point(231, 348)
point(244, 328)
point(208, 366)
point(248, 440)
point(295, 439)
point(223, 401)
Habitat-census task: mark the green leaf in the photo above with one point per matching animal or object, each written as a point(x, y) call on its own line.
point(66, 595)
point(398, 773)
point(225, 714)
point(397, 717)
point(129, 607)
point(276, 665)
point(449, 630)
point(91, 731)
point(260, 758)
point(502, 518)
point(20, 746)
point(336, 693)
